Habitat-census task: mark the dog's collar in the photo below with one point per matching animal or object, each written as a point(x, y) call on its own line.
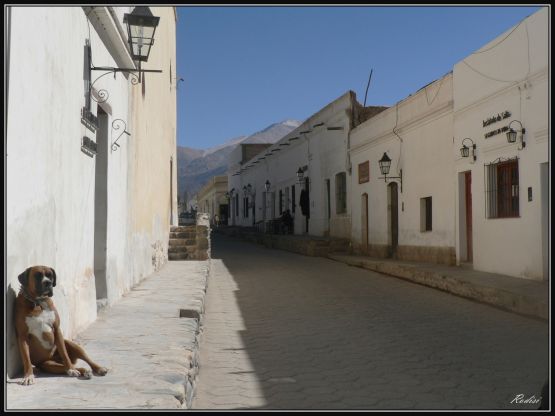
point(35, 301)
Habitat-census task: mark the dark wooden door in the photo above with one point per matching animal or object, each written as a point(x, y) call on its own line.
point(364, 209)
point(394, 216)
point(468, 209)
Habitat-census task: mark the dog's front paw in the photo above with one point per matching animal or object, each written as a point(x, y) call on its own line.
point(100, 371)
point(28, 380)
point(72, 372)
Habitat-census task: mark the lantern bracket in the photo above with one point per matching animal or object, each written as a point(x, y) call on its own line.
point(400, 177)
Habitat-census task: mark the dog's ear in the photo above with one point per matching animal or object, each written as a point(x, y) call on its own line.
point(53, 277)
point(24, 278)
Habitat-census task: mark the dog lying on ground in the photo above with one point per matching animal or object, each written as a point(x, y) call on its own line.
point(39, 336)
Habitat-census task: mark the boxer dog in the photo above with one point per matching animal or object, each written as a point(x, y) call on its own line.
point(39, 336)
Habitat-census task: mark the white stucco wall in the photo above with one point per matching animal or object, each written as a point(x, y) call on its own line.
point(422, 148)
point(322, 151)
point(510, 73)
point(51, 183)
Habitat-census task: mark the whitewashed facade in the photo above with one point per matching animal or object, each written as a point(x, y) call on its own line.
point(211, 199)
point(389, 219)
point(67, 207)
point(319, 147)
point(505, 80)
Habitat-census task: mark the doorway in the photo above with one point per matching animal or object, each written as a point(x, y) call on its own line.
point(468, 214)
point(393, 214)
point(101, 206)
point(364, 220)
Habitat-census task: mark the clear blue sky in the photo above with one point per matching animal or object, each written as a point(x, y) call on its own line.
point(245, 68)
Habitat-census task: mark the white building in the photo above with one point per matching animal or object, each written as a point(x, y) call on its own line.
point(81, 196)
point(211, 199)
point(412, 217)
point(489, 209)
point(502, 198)
point(319, 148)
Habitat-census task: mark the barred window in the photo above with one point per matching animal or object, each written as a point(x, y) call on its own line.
point(502, 193)
point(341, 193)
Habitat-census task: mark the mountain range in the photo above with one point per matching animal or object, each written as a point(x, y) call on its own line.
point(196, 166)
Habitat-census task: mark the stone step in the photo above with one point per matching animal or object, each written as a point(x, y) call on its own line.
point(182, 234)
point(183, 228)
point(182, 249)
point(174, 242)
point(178, 256)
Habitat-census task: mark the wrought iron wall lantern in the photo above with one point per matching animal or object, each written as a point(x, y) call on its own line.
point(512, 135)
point(465, 150)
point(385, 164)
point(300, 175)
point(141, 26)
point(117, 126)
point(267, 185)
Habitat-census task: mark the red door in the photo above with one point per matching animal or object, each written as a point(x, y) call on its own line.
point(468, 200)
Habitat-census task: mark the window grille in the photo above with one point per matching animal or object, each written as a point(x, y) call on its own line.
point(502, 189)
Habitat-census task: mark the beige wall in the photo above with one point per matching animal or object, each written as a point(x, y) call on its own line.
point(212, 195)
point(153, 187)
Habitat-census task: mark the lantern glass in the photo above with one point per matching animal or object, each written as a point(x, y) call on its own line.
point(385, 164)
point(300, 174)
point(511, 136)
point(267, 186)
point(141, 25)
point(464, 151)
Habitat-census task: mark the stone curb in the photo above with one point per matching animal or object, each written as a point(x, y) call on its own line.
point(195, 308)
point(500, 298)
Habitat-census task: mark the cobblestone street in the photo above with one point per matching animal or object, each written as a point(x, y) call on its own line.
point(283, 330)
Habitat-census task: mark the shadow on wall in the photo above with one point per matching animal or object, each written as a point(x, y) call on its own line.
point(13, 359)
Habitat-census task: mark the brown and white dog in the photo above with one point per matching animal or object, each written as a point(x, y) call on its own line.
point(39, 336)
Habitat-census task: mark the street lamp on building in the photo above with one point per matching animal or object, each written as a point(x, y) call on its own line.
point(512, 134)
point(465, 150)
point(141, 25)
point(267, 185)
point(385, 164)
point(300, 175)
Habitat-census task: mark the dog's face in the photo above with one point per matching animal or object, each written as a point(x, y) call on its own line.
point(38, 280)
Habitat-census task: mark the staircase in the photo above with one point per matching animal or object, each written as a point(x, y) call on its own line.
point(183, 243)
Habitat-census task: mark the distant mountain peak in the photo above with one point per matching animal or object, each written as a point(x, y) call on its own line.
point(196, 167)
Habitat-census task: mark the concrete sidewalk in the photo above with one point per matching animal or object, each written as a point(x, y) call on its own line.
point(151, 352)
point(526, 297)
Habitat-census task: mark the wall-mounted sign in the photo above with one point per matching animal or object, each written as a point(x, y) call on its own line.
point(494, 132)
point(88, 146)
point(496, 118)
point(89, 119)
point(364, 172)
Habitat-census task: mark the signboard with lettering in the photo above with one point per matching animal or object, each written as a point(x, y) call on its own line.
point(495, 119)
point(364, 172)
